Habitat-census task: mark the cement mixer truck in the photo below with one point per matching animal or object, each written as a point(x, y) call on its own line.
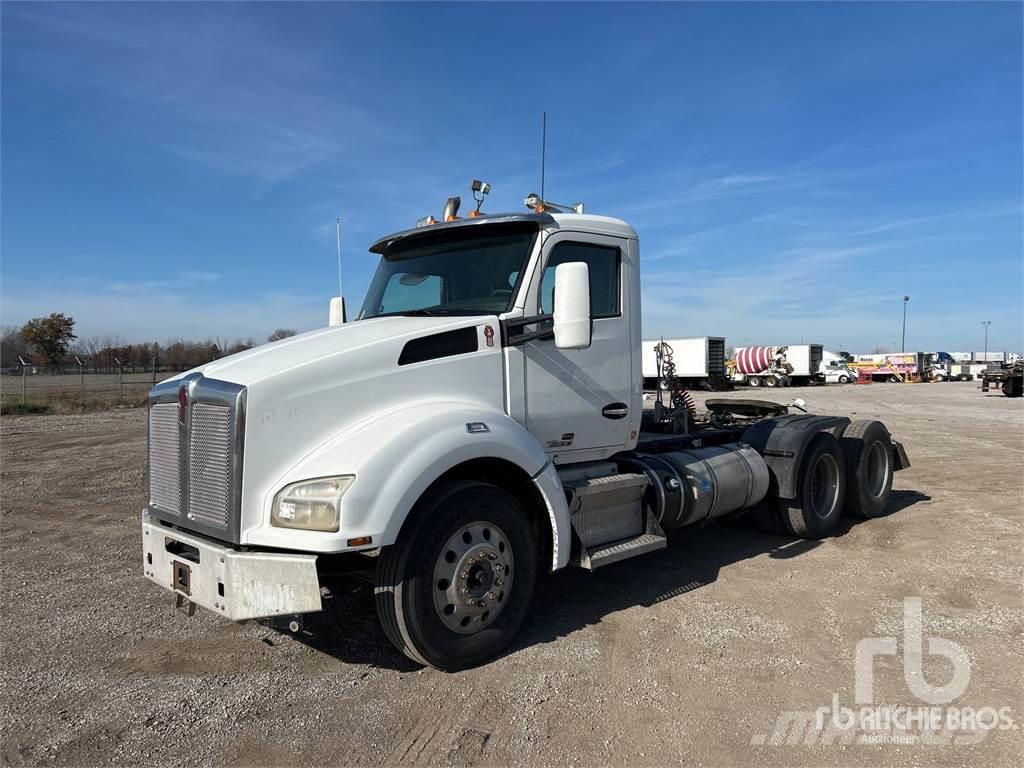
point(480, 422)
point(795, 365)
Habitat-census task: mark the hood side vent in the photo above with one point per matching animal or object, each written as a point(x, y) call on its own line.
point(458, 342)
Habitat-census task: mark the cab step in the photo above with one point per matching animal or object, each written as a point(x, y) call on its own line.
point(607, 554)
point(608, 515)
point(608, 508)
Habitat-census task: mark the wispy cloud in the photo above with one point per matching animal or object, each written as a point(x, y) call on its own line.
point(943, 218)
point(253, 109)
point(201, 277)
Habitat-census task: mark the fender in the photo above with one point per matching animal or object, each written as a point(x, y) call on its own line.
point(782, 442)
point(396, 455)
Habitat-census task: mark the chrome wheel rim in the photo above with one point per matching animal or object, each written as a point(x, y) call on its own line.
point(473, 577)
point(824, 485)
point(877, 469)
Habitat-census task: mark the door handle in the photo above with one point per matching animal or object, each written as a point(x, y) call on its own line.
point(615, 411)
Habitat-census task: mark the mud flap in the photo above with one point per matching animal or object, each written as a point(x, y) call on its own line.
point(899, 454)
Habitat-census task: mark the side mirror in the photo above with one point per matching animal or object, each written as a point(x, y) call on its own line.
point(337, 312)
point(572, 305)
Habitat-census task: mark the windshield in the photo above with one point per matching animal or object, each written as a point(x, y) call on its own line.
point(463, 271)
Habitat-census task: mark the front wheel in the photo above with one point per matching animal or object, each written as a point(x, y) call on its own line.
point(844, 379)
point(454, 589)
point(771, 382)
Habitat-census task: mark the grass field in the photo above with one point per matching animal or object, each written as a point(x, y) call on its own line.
point(56, 393)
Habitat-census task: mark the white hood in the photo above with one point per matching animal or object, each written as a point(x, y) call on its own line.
point(306, 390)
point(314, 347)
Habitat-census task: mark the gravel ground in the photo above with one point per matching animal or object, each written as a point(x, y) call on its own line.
point(687, 656)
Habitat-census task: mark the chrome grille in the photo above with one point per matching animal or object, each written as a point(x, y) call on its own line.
point(209, 464)
point(164, 456)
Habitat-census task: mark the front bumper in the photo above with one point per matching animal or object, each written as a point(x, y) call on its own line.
point(236, 585)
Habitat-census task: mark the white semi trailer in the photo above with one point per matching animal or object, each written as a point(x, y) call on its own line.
point(698, 361)
point(480, 422)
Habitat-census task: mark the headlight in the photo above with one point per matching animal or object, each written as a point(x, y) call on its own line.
point(313, 505)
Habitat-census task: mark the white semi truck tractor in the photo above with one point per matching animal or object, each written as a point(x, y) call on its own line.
point(480, 423)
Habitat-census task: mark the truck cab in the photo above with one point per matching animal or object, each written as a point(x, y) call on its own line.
point(480, 422)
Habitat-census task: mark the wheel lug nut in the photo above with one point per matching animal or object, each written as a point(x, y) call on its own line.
point(499, 582)
point(491, 596)
point(499, 567)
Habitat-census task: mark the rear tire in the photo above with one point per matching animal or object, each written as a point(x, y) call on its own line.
point(821, 486)
point(867, 446)
point(771, 382)
point(754, 381)
point(1013, 387)
point(454, 589)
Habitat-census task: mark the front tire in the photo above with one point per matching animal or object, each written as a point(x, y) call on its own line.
point(821, 486)
point(844, 379)
point(454, 589)
point(771, 382)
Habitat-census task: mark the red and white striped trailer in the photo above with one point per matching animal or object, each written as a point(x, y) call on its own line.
point(778, 366)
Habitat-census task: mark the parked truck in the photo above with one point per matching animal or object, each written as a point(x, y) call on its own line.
point(699, 362)
point(1009, 377)
point(478, 424)
point(797, 364)
point(835, 369)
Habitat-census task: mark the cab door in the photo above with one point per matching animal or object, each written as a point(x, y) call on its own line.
point(580, 403)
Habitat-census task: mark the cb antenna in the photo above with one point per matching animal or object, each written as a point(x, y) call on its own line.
point(543, 150)
point(338, 229)
point(337, 314)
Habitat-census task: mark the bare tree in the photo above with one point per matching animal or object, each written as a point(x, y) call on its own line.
point(12, 345)
point(281, 333)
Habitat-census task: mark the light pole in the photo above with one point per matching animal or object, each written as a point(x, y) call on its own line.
point(903, 345)
point(986, 323)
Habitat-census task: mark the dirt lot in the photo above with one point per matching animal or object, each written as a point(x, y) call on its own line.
point(687, 656)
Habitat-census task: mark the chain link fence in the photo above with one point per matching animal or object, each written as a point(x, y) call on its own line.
point(27, 389)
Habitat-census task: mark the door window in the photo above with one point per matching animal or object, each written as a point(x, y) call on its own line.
point(603, 263)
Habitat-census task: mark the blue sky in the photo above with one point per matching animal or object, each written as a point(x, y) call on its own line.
point(792, 169)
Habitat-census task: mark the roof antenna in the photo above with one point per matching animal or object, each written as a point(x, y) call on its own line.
point(337, 313)
point(543, 151)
